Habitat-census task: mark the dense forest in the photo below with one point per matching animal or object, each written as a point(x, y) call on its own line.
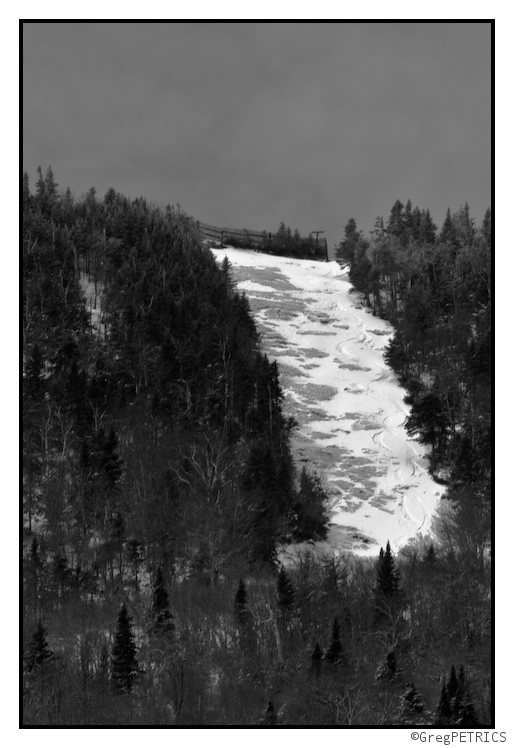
point(158, 483)
point(436, 290)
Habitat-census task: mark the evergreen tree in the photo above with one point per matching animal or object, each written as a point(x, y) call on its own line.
point(428, 420)
point(39, 652)
point(396, 224)
point(468, 716)
point(464, 226)
point(26, 189)
point(34, 381)
point(408, 222)
point(444, 714)
point(61, 573)
point(486, 228)
point(430, 555)
point(110, 461)
point(346, 250)
point(162, 619)
point(334, 653)
point(34, 575)
point(316, 659)
point(241, 611)
point(416, 225)
point(388, 596)
point(124, 667)
point(309, 518)
point(285, 591)
point(448, 234)
point(412, 701)
point(388, 670)
point(269, 718)
point(452, 687)
point(463, 709)
point(427, 228)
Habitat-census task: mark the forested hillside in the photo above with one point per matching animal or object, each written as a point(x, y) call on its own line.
point(158, 482)
point(435, 287)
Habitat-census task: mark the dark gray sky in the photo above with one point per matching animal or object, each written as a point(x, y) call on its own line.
point(250, 124)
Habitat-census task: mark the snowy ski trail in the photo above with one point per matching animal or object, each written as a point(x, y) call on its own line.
point(348, 403)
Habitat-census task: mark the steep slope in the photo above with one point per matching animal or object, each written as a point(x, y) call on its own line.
point(348, 403)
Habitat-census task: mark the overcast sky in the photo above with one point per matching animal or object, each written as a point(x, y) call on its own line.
point(249, 124)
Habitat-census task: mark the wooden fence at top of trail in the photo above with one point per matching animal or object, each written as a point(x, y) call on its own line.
point(264, 241)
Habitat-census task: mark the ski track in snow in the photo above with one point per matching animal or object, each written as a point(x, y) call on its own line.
point(347, 402)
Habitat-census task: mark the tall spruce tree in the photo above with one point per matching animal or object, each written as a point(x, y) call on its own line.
point(396, 222)
point(334, 654)
point(468, 716)
point(412, 701)
point(427, 228)
point(162, 619)
point(316, 659)
point(309, 514)
point(269, 718)
point(124, 666)
point(388, 594)
point(388, 669)
point(241, 612)
point(452, 687)
point(285, 591)
point(448, 233)
point(39, 652)
point(444, 712)
point(486, 228)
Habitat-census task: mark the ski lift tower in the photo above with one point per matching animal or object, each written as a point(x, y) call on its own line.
point(316, 241)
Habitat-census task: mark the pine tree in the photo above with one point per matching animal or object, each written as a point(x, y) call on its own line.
point(316, 658)
point(452, 687)
point(269, 718)
point(416, 224)
point(39, 652)
point(61, 573)
point(456, 691)
point(468, 716)
point(34, 381)
point(110, 460)
point(408, 221)
point(241, 611)
point(309, 515)
point(345, 252)
point(35, 573)
point(26, 190)
point(226, 269)
point(162, 619)
point(335, 651)
point(443, 716)
point(486, 228)
point(285, 591)
point(412, 701)
point(448, 234)
point(463, 708)
point(427, 228)
point(389, 669)
point(428, 420)
point(464, 226)
point(388, 595)
point(430, 556)
point(462, 680)
point(124, 667)
point(396, 224)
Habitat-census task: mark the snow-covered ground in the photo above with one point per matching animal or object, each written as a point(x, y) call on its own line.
point(347, 402)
